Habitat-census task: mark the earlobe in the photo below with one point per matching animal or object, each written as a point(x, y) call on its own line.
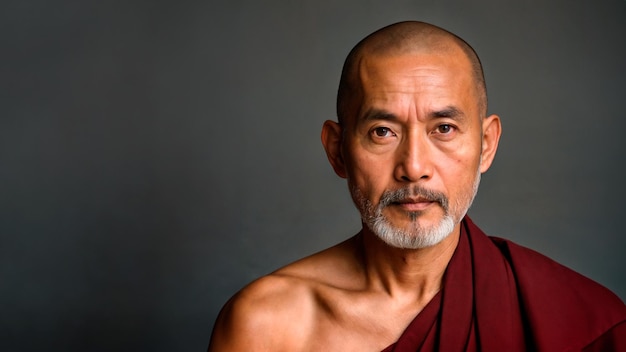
point(332, 135)
point(492, 129)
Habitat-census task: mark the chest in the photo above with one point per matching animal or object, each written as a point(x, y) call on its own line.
point(351, 325)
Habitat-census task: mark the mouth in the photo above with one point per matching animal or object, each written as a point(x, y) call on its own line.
point(414, 204)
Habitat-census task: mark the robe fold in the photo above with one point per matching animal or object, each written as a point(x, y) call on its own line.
point(499, 296)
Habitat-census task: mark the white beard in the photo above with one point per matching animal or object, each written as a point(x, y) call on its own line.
point(415, 236)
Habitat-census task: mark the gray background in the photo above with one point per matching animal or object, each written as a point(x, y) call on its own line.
point(156, 156)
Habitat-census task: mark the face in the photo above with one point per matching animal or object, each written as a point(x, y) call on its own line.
point(413, 150)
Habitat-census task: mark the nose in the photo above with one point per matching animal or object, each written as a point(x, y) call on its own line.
point(413, 159)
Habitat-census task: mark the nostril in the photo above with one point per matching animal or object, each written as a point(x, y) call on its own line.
point(408, 179)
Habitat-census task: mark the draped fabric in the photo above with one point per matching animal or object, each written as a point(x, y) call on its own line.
point(498, 296)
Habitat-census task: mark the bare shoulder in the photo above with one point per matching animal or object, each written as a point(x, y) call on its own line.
point(279, 311)
point(260, 317)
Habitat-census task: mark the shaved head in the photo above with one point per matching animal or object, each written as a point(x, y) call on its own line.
point(404, 38)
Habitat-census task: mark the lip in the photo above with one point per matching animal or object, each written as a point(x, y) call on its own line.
point(414, 204)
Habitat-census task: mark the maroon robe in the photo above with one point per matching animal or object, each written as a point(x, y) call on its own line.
point(498, 296)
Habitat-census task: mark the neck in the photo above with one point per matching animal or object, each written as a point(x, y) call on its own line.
point(415, 274)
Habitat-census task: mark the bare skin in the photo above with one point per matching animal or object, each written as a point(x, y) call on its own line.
point(361, 294)
point(357, 296)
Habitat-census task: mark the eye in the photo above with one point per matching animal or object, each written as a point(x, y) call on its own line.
point(445, 128)
point(382, 132)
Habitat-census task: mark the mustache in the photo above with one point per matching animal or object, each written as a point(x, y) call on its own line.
point(393, 196)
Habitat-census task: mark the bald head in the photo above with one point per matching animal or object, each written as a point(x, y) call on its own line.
point(405, 38)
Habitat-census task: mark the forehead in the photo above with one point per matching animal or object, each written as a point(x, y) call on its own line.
point(423, 79)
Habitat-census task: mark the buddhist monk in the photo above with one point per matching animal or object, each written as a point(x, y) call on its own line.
point(412, 140)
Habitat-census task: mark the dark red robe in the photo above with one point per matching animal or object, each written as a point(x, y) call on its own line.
point(498, 296)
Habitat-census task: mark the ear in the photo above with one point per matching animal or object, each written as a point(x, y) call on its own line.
point(492, 129)
point(332, 134)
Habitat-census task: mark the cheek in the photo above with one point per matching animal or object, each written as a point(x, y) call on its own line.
point(466, 152)
point(460, 167)
point(369, 174)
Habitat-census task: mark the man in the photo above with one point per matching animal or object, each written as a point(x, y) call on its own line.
point(412, 140)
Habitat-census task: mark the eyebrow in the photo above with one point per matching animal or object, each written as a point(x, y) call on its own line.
point(450, 111)
point(378, 114)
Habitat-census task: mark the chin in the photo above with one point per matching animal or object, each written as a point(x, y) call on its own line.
point(413, 235)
